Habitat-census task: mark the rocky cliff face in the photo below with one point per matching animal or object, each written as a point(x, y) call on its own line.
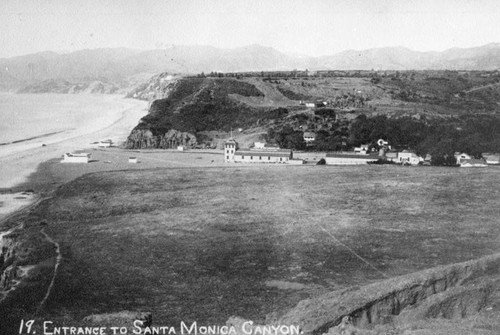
point(7, 257)
point(158, 87)
point(144, 139)
point(27, 262)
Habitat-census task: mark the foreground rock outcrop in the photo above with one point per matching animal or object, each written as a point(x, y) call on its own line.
point(27, 263)
point(452, 292)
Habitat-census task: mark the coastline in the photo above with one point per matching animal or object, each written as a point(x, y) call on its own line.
point(28, 178)
point(21, 160)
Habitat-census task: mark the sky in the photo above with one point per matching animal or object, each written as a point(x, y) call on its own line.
point(309, 27)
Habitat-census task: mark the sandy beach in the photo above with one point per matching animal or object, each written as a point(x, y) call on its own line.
point(113, 119)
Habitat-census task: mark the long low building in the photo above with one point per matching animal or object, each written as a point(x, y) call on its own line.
point(349, 159)
point(234, 155)
point(262, 156)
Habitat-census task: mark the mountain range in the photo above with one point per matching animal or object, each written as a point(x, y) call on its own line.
point(119, 65)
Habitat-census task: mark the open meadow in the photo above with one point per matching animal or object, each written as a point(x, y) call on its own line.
point(203, 244)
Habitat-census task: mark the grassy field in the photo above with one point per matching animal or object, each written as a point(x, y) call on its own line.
point(202, 244)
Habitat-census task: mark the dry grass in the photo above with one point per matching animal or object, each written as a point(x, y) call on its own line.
point(202, 244)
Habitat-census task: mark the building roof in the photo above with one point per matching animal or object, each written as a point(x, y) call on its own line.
point(83, 154)
point(269, 153)
point(309, 134)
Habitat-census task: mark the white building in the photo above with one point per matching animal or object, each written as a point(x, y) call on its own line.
point(309, 136)
point(259, 145)
point(229, 150)
point(461, 156)
point(76, 158)
point(408, 157)
point(234, 155)
point(105, 144)
point(133, 160)
point(362, 149)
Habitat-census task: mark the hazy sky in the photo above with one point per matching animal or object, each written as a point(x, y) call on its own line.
point(311, 27)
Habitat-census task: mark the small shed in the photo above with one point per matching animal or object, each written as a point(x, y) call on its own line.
point(105, 144)
point(133, 160)
point(76, 158)
point(259, 145)
point(309, 136)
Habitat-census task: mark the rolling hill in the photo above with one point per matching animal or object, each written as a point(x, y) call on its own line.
point(419, 110)
point(118, 64)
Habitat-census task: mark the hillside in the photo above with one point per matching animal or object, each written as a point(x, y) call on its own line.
point(116, 65)
point(413, 110)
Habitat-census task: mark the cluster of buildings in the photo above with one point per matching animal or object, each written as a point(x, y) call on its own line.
point(260, 153)
point(464, 160)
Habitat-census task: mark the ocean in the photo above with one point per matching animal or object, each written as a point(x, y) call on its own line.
point(25, 117)
point(38, 127)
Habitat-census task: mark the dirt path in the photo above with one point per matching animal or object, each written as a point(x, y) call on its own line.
point(479, 88)
point(54, 276)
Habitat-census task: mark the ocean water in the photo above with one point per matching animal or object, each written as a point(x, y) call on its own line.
point(25, 117)
point(37, 127)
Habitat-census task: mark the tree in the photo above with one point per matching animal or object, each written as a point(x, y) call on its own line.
point(288, 138)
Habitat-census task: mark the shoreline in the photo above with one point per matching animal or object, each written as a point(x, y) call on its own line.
point(33, 138)
point(20, 160)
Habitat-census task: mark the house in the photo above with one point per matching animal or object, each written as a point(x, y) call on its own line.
point(308, 104)
point(473, 163)
point(104, 144)
point(461, 156)
point(345, 158)
point(76, 158)
point(491, 159)
point(363, 149)
point(232, 154)
point(406, 157)
point(259, 145)
point(309, 136)
point(391, 156)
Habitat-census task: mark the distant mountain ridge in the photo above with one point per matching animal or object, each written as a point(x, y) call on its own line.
point(117, 64)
